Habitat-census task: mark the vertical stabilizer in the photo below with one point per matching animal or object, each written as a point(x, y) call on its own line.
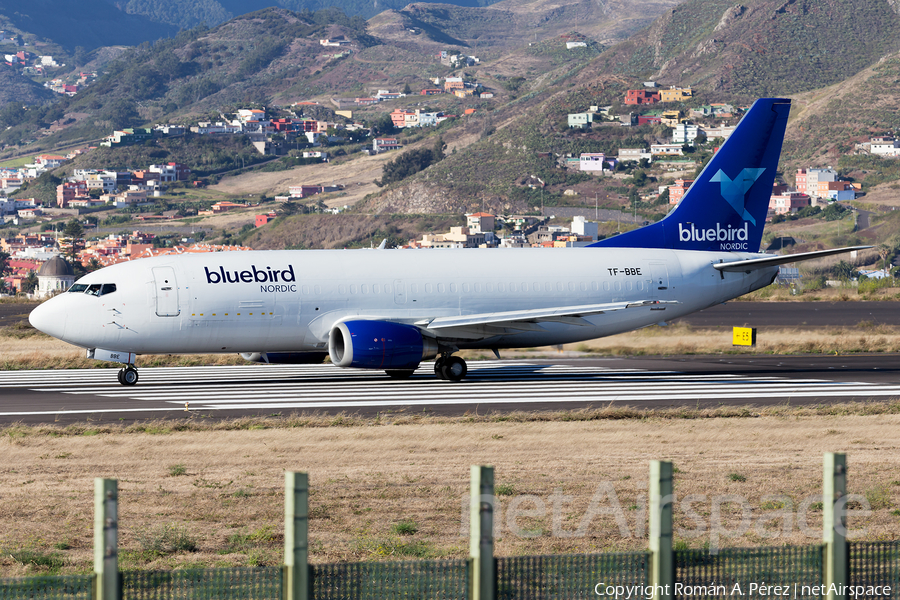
point(725, 208)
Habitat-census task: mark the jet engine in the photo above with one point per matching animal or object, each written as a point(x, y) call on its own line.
point(285, 358)
point(379, 345)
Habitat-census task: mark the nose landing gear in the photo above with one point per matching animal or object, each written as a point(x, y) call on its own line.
point(128, 375)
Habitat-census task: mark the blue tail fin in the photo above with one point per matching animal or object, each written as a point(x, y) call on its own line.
point(725, 208)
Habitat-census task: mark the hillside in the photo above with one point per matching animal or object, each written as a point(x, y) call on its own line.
point(510, 23)
point(16, 88)
point(759, 47)
point(87, 23)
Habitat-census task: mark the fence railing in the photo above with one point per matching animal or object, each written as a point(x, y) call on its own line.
point(222, 584)
point(663, 574)
point(67, 587)
point(563, 577)
point(795, 569)
point(412, 580)
point(876, 565)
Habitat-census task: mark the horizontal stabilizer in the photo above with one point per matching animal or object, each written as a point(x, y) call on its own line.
point(759, 263)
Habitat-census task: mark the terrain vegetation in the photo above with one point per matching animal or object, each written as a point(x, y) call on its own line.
point(507, 156)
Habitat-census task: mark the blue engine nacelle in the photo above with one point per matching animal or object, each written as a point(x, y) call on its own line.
point(379, 345)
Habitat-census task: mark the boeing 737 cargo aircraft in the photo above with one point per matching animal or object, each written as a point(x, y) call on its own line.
point(392, 309)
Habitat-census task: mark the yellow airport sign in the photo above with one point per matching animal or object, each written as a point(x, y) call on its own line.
point(744, 336)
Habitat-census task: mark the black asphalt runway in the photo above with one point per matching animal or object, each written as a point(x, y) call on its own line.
point(492, 386)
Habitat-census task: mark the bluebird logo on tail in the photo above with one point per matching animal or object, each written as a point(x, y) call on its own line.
point(735, 190)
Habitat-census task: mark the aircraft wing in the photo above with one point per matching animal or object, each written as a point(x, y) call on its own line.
point(759, 263)
point(527, 320)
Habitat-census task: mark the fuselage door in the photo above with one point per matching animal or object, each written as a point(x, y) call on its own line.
point(166, 292)
point(660, 285)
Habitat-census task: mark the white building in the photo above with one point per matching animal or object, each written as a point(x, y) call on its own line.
point(581, 226)
point(885, 147)
point(591, 161)
point(685, 133)
point(54, 276)
point(634, 154)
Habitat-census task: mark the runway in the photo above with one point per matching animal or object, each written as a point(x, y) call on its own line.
point(492, 386)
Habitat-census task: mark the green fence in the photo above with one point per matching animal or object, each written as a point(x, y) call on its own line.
point(70, 587)
point(572, 576)
point(699, 574)
point(425, 579)
point(221, 584)
point(876, 564)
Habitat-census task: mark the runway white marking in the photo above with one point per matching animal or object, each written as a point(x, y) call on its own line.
point(312, 387)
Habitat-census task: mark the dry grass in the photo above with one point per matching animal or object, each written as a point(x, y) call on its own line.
point(682, 339)
point(32, 350)
point(211, 493)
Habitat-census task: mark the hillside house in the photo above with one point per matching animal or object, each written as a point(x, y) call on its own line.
point(262, 220)
point(49, 161)
point(480, 222)
point(385, 144)
point(634, 154)
point(581, 120)
point(789, 202)
point(68, 191)
point(649, 120)
point(674, 94)
point(453, 83)
point(836, 190)
point(685, 133)
point(593, 161)
point(129, 136)
point(884, 147)
point(721, 131)
point(678, 190)
point(637, 97)
point(807, 180)
point(666, 150)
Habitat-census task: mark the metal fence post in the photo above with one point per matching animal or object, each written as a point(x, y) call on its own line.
point(834, 523)
point(662, 559)
point(482, 573)
point(106, 539)
point(296, 584)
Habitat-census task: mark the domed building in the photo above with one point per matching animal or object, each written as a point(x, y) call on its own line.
point(54, 276)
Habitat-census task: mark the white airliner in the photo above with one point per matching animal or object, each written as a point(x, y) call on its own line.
point(392, 309)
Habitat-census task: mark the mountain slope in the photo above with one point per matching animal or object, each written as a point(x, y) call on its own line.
point(760, 47)
point(87, 23)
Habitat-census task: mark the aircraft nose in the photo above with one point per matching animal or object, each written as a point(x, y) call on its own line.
point(49, 318)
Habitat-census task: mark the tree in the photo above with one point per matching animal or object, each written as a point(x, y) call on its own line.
point(30, 283)
point(406, 89)
point(437, 152)
point(74, 229)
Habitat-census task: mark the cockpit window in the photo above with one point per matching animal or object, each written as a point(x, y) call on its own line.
point(94, 289)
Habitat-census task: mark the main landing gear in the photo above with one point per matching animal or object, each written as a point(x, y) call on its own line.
point(451, 368)
point(128, 375)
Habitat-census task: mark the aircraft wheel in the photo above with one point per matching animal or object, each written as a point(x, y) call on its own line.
point(119, 376)
point(128, 376)
point(439, 367)
point(400, 373)
point(454, 369)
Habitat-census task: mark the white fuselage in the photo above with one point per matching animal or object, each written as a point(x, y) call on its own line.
point(289, 300)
